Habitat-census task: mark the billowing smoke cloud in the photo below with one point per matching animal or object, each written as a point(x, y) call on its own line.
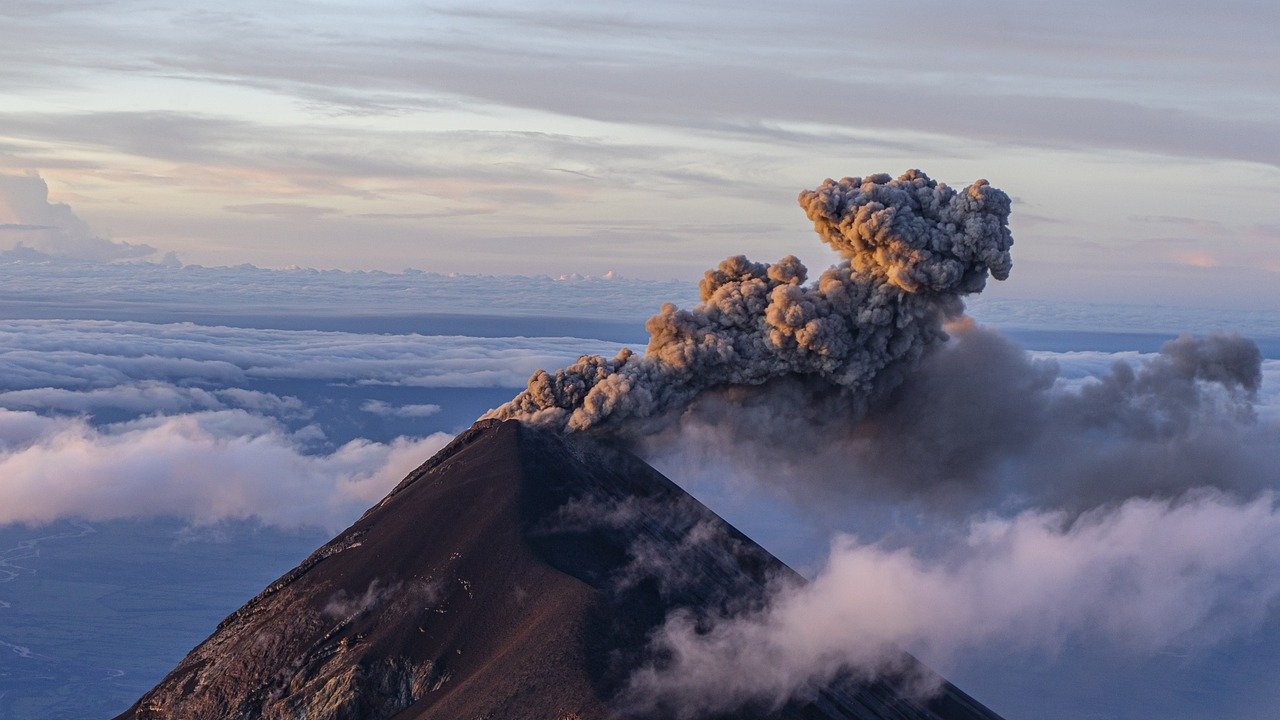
point(979, 424)
point(37, 227)
point(203, 467)
point(913, 248)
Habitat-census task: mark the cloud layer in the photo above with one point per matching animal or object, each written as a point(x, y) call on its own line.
point(202, 467)
point(103, 420)
point(460, 146)
point(1138, 578)
point(79, 356)
point(126, 291)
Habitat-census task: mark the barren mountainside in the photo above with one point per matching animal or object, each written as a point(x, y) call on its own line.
point(516, 575)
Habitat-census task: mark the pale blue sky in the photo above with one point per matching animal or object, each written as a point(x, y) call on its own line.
point(1141, 141)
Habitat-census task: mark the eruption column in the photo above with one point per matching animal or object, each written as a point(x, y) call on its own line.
point(913, 247)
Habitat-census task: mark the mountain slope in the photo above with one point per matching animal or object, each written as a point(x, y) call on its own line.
point(515, 575)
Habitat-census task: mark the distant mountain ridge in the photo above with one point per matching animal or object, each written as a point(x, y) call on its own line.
point(503, 579)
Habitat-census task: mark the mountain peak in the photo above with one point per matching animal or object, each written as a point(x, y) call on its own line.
point(516, 574)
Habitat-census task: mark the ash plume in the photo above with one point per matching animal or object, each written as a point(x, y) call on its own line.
point(980, 423)
point(913, 247)
point(868, 394)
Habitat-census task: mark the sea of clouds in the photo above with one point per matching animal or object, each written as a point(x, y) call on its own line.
point(103, 419)
point(128, 412)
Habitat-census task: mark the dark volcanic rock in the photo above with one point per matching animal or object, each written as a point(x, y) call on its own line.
point(515, 575)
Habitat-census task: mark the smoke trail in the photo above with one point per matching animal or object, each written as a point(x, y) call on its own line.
point(980, 424)
point(913, 248)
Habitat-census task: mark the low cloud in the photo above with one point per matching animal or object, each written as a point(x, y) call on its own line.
point(1142, 577)
point(87, 354)
point(202, 467)
point(378, 407)
point(149, 396)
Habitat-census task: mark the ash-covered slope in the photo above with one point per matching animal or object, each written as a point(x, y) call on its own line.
point(515, 575)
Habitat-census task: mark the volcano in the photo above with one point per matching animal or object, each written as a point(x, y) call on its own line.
point(515, 575)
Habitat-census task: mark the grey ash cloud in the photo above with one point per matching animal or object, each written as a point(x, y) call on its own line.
point(913, 248)
point(980, 423)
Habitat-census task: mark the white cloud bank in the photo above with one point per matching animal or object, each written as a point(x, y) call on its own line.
point(150, 396)
point(1142, 577)
point(203, 467)
point(88, 354)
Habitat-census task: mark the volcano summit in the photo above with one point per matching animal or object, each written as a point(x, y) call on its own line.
point(517, 574)
point(530, 569)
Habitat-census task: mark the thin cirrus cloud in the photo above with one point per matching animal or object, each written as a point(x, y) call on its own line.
point(431, 64)
point(378, 407)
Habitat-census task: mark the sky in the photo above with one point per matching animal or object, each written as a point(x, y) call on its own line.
point(1139, 142)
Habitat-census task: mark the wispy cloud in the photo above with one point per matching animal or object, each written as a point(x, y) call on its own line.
point(36, 286)
point(462, 138)
point(378, 407)
point(281, 209)
point(1043, 98)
